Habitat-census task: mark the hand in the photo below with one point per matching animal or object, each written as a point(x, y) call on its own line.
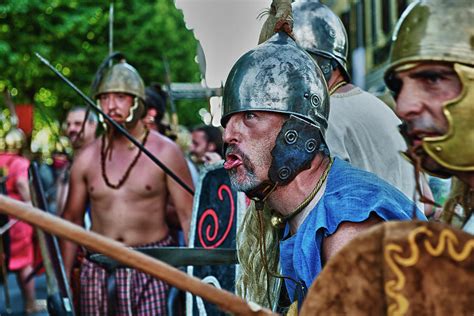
point(211, 158)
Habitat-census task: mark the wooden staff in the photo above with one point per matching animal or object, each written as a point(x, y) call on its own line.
point(57, 226)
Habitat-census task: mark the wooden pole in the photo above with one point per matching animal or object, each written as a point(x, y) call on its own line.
point(57, 226)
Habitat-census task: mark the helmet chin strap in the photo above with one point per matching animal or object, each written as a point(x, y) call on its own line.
point(131, 114)
point(260, 193)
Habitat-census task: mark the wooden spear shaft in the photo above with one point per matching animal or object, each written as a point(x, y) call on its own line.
point(57, 226)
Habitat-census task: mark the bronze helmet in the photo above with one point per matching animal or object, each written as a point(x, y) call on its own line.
point(441, 31)
point(13, 141)
point(124, 78)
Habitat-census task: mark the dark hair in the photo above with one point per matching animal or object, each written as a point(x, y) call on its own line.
point(155, 98)
point(91, 117)
point(213, 135)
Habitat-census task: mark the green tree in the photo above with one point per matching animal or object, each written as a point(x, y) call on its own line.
point(73, 35)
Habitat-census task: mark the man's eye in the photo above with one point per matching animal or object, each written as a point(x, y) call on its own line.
point(433, 78)
point(395, 85)
point(249, 115)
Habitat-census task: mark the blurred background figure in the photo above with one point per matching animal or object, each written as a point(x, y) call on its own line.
point(156, 110)
point(81, 129)
point(14, 169)
point(362, 129)
point(206, 145)
point(156, 119)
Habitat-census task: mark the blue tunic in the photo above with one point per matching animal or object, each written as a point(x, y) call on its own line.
point(351, 195)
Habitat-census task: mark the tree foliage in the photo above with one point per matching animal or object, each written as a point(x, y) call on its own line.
point(74, 36)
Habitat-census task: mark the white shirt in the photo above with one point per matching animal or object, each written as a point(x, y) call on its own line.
point(364, 131)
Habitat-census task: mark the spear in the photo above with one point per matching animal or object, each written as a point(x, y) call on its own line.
point(131, 258)
point(116, 125)
point(174, 112)
point(111, 30)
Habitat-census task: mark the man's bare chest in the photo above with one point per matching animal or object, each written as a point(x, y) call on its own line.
point(142, 180)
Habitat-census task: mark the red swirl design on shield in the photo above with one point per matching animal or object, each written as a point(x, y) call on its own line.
point(212, 229)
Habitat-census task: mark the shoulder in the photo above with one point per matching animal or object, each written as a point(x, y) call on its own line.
point(353, 194)
point(19, 168)
point(162, 145)
point(346, 181)
point(88, 154)
point(21, 162)
point(359, 99)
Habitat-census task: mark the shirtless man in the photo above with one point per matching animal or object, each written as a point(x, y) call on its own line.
point(128, 194)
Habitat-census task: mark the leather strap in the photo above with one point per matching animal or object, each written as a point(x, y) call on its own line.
point(111, 293)
point(175, 256)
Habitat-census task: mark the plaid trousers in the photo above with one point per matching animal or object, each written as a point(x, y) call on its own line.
point(137, 293)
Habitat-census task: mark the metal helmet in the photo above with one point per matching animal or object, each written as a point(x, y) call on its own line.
point(433, 30)
point(439, 31)
point(124, 78)
point(14, 141)
point(278, 76)
point(320, 31)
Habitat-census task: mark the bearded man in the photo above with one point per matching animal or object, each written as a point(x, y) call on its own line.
point(431, 73)
point(128, 194)
point(306, 204)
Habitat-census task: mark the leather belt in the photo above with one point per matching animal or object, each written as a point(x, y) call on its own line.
point(176, 256)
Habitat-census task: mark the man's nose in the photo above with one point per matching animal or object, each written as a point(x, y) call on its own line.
point(409, 102)
point(232, 130)
point(108, 103)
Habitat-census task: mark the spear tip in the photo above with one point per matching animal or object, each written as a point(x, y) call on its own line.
point(41, 58)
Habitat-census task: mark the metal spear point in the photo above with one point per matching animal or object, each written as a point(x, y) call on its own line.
point(116, 125)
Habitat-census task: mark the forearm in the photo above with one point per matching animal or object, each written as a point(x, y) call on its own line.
point(68, 251)
point(68, 248)
point(23, 190)
point(185, 226)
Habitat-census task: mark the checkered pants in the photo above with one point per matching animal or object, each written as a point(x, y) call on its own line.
point(137, 293)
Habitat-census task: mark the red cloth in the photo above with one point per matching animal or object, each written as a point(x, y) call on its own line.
point(137, 293)
point(21, 234)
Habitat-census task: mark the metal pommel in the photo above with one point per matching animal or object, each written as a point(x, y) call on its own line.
point(277, 76)
point(320, 31)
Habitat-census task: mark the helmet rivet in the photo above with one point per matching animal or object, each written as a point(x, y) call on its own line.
point(284, 173)
point(315, 100)
point(291, 136)
point(438, 149)
point(332, 33)
point(310, 145)
point(326, 69)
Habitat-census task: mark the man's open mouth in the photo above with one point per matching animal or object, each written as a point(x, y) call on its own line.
point(232, 161)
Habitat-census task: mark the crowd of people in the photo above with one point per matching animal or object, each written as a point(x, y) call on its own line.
point(318, 157)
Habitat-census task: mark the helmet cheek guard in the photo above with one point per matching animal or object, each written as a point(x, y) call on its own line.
point(295, 147)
